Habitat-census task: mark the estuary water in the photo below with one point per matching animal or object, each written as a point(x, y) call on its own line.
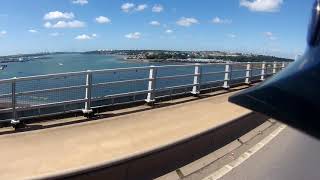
point(59, 63)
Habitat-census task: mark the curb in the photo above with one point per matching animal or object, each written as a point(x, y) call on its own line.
point(245, 156)
point(210, 158)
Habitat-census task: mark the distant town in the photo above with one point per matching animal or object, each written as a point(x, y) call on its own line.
point(23, 57)
point(188, 56)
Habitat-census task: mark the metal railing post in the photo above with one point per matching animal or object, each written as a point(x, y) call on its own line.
point(152, 85)
point(87, 109)
point(196, 80)
point(283, 66)
point(14, 120)
point(274, 71)
point(263, 71)
point(227, 76)
point(248, 73)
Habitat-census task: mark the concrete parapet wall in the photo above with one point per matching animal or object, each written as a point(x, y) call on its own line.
point(153, 164)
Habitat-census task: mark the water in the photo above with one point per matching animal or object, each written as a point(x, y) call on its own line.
point(60, 63)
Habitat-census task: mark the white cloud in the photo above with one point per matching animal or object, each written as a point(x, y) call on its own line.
point(85, 37)
point(32, 31)
point(47, 25)
point(270, 36)
point(157, 8)
point(3, 33)
point(127, 7)
point(169, 31)
point(65, 24)
point(130, 7)
point(80, 2)
point(55, 34)
point(218, 20)
point(58, 15)
point(273, 38)
point(135, 35)
point(103, 20)
point(268, 33)
point(187, 21)
point(155, 23)
point(262, 5)
point(141, 7)
point(232, 36)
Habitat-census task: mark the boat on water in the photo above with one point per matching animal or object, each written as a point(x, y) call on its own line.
point(2, 67)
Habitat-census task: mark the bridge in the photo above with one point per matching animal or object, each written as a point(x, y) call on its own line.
point(179, 124)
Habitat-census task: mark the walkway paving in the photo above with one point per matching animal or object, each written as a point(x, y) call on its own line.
point(46, 151)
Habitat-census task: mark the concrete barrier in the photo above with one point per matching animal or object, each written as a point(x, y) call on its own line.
point(153, 164)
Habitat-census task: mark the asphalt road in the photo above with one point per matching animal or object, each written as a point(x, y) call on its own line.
point(291, 155)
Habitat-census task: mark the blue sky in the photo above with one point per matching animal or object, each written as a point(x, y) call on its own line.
point(275, 27)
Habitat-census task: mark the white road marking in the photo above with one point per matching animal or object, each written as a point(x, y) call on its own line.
point(227, 168)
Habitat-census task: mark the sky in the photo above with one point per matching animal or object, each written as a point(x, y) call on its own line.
point(272, 27)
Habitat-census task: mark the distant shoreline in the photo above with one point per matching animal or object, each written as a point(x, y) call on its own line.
point(142, 56)
point(187, 61)
point(23, 58)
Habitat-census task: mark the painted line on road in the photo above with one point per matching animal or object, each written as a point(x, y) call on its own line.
point(229, 167)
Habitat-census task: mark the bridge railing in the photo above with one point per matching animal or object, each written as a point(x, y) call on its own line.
point(44, 95)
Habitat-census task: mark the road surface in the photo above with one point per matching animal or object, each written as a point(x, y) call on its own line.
point(292, 155)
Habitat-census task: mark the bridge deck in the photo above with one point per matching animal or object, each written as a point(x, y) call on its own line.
point(53, 150)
